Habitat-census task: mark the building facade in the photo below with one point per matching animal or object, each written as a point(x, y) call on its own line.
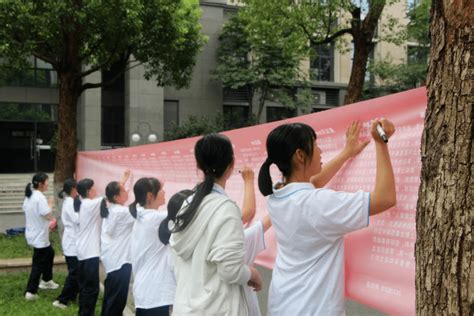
point(109, 117)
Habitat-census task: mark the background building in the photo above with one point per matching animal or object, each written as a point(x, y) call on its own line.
point(108, 117)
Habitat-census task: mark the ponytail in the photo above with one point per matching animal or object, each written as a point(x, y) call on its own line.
point(68, 186)
point(61, 194)
point(265, 184)
point(174, 205)
point(282, 142)
point(214, 155)
point(104, 211)
point(202, 189)
point(28, 191)
point(133, 209)
point(37, 179)
point(77, 204)
point(141, 189)
point(164, 232)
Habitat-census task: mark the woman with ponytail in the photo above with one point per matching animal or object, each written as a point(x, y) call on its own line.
point(117, 224)
point(153, 274)
point(38, 215)
point(208, 240)
point(310, 222)
point(70, 221)
point(88, 244)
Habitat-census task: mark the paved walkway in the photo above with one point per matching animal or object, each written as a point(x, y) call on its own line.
point(25, 262)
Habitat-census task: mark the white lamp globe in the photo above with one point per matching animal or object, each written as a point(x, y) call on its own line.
point(152, 138)
point(136, 137)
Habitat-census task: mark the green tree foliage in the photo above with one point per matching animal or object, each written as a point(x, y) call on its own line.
point(323, 22)
point(259, 59)
point(391, 77)
point(70, 34)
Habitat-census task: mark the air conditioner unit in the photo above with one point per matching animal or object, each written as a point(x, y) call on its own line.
point(319, 96)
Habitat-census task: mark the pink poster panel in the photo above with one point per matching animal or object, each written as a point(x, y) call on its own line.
point(380, 267)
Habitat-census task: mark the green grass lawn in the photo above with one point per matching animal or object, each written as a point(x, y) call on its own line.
point(16, 246)
point(12, 301)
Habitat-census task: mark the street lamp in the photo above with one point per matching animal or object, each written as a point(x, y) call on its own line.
point(143, 136)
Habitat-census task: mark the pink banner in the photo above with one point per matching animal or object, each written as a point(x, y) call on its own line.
point(380, 266)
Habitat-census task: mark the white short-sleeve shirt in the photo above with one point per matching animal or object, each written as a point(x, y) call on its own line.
point(309, 223)
point(254, 244)
point(37, 225)
point(115, 238)
point(88, 237)
point(154, 282)
point(70, 220)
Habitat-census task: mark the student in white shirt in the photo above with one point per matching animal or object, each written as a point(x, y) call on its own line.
point(38, 215)
point(88, 245)
point(254, 244)
point(70, 221)
point(310, 223)
point(208, 240)
point(154, 282)
point(117, 224)
point(254, 234)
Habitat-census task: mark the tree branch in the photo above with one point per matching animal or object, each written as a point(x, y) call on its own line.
point(89, 85)
point(331, 38)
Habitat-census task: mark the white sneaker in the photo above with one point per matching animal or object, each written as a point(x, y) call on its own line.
point(50, 285)
point(31, 297)
point(59, 304)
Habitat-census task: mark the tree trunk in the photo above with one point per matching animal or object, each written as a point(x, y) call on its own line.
point(359, 66)
point(250, 94)
point(363, 32)
point(69, 92)
point(261, 102)
point(444, 218)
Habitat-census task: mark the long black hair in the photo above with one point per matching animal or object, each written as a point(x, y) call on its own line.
point(37, 179)
point(282, 143)
point(214, 154)
point(111, 190)
point(141, 188)
point(83, 188)
point(68, 186)
point(174, 205)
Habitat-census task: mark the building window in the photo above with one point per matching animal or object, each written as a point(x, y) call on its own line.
point(171, 115)
point(276, 113)
point(322, 63)
point(40, 74)
point(113, 120)
point(113, 106)
point(235, 116)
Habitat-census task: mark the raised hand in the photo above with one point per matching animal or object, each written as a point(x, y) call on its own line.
point(353, 143)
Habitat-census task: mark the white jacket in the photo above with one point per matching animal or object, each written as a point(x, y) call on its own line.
point(210, 268)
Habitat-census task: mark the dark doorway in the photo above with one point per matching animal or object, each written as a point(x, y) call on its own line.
point(26, 135)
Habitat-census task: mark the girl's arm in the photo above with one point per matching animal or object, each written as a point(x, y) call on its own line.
point(353, 147)
point(384, 195)
point(249, 205)
point(49, 216)
point(267, 223)
point(125, 177)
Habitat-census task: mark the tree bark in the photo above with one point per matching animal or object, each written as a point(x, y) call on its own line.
point(250, 95)
point(69, 92)
point(444, 218)
point(363, 34)
point(261, 102)
point(359, 66)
